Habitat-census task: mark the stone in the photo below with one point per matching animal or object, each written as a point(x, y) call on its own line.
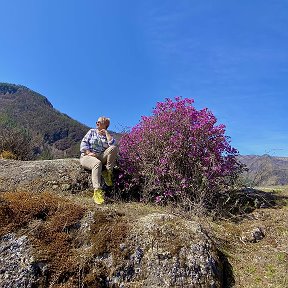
point(253, 235)
point(58, 176)
point(16, 262)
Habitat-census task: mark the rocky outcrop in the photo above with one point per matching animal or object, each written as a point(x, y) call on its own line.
point(171, 252)
point(47, 175)
point(160, 251)
point(115, 245)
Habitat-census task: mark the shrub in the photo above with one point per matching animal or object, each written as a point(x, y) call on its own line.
point(178, 153)
point(16, 143)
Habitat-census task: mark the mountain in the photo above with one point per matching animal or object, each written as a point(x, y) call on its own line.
point(53, 134)
point(265, 170)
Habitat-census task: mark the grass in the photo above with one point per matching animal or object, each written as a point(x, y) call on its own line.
point(275, 189)
point(260, 264)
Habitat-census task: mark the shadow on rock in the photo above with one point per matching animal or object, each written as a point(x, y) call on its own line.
point(228, 280)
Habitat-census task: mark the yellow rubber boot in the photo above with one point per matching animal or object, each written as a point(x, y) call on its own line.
point(98, 196)
point(107, 175)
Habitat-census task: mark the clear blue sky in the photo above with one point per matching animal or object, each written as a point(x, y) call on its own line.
point(119, 57)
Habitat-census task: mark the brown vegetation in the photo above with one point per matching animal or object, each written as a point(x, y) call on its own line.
point(49, 221)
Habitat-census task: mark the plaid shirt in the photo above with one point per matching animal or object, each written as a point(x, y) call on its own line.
point(95, 142)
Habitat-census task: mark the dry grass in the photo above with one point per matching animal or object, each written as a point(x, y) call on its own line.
point(260, 264)
point(50, 222)
point(5, 154)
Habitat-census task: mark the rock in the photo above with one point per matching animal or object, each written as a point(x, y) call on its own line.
point(254, 235)
point(47, 175)
point(16, 262)
point(172, 252)
point(162, 250)
point(258, 234)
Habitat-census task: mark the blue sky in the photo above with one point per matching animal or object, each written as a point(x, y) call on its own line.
point(119, 58)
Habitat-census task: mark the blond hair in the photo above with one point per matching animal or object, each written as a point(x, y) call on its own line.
point(105, 121)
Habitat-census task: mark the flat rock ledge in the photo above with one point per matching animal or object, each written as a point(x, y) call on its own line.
point(45, 175)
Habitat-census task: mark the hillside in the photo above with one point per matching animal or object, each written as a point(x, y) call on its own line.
point(265, 170)
point(54, 134)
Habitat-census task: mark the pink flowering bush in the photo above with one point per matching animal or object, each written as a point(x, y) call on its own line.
point(178, 153)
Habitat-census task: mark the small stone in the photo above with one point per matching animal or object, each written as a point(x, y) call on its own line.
point(122, 246)
point(253, 236)
point(65, 187)
point(258, 234)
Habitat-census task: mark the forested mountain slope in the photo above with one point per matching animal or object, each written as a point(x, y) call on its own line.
point(50, 133)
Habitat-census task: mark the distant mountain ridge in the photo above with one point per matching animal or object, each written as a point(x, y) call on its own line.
point(265, 170)
point(57, 135)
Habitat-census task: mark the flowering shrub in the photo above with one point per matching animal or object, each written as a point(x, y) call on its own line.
point(178, 153)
